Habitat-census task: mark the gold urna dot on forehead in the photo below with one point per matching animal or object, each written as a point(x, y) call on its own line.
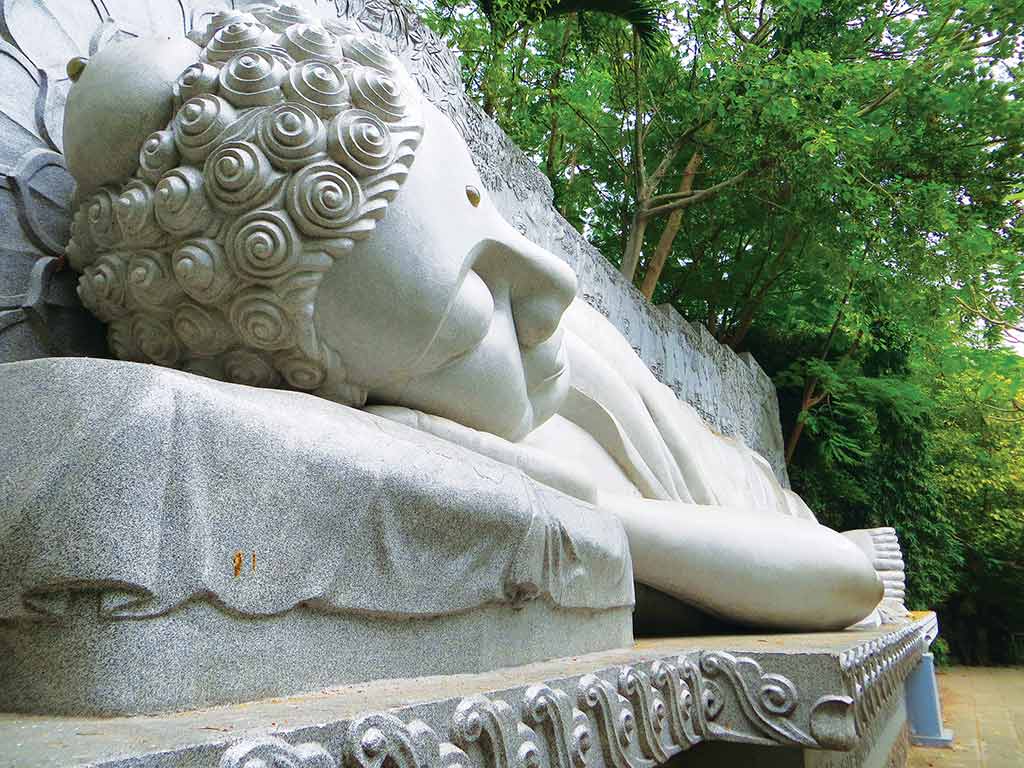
point(473, 195)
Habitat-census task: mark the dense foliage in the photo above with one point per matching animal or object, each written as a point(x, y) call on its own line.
point(833, 185)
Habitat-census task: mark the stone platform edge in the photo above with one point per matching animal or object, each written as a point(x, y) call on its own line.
point(809, 691)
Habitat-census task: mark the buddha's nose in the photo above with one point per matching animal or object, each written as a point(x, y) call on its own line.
point(540, 285)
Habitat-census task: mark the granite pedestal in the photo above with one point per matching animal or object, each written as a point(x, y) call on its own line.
point(818, 700)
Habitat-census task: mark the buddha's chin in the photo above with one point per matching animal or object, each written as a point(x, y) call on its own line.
point(497, 403)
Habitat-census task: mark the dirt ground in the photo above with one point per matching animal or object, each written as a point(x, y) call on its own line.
point(985, 708)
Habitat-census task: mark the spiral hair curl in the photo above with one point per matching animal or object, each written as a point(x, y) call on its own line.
point(288, 141)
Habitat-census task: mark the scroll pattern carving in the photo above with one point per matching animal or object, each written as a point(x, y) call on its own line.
point(271, 751)
point(874, 672)
point(686, 721)
point(633, 716)
point(567, 729)
point(767, 699)
point(493, 726)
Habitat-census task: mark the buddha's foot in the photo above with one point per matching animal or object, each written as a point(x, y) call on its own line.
point(882, 547)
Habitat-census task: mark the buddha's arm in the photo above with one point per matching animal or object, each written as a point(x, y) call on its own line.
point(705, 468)
point(749, 568)
point(765, 571)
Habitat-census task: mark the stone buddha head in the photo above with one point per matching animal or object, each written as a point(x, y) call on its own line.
point(297, 215)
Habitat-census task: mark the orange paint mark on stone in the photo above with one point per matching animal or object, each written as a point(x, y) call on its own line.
point(254, 561)
point(239, 559)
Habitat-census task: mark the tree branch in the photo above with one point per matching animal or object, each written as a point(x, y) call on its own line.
point(695, 197)
point(600, 138)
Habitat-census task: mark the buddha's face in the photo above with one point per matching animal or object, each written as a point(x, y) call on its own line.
point(446, 308)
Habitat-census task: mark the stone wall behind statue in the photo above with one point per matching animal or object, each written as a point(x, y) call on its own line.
point(39, 314)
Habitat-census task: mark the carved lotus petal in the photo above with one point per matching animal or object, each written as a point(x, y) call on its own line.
point(202, 330)
point(151, 283)
point(197, 79)
point(260, 320)
point(299, 371)
point(158, 155)
point(291, 135)
point(234, 38)
point(244, 366)
point(323, 198)
point(198, 125)
point(306, 41)
point(361, 142)
point(368, 52)
point(104, 230)
point(376, 93)
point(181, 206)
point(153, 337)
point(238, 176)
point(263, 245)
point(318, 84)
point(282, 16)
point(252, 79)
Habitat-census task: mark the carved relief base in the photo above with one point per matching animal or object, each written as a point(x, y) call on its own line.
point(835, 698)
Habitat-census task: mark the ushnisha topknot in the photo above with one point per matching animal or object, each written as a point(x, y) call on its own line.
point(288, 141)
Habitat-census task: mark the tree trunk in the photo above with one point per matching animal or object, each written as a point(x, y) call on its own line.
point(634, 245)
point(668, 234)
point(753, 299)
point(638, 224)
point(811, 397)
point(806, 403)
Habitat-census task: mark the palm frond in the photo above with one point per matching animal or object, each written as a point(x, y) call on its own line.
point(645, 16)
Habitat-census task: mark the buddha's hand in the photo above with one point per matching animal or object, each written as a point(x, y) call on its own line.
point(882, 546)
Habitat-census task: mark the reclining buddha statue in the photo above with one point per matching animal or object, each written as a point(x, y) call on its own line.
point(275, 205)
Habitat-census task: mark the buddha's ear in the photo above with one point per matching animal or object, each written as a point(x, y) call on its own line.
point(119, 98)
